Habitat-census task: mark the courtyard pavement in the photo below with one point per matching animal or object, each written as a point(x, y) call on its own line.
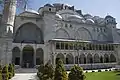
point(25, 76)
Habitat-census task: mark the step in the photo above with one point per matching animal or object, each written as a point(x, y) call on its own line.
point(26, 70)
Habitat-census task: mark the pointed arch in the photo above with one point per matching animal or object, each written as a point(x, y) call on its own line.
point(89, 58)
point(69, 58)
point(82, 59)
point(39, 56)
point(62, 33)
point(28, 33)
point(83, 34)
point(60, 56)
point(28, 56)
point(16, 55)
point(96, 58)
point(112, 58)
point(101, 59)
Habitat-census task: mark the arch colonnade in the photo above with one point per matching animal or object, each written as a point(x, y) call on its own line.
point(27, 56)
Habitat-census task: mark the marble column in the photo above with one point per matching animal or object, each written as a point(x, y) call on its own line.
point(34, 58)
point(21, 58)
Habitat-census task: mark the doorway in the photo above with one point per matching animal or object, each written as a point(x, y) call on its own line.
point(28, 57)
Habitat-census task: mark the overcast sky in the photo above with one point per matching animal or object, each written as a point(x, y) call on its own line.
point(94, 7)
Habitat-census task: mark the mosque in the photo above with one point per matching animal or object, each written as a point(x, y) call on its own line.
point(59, 31)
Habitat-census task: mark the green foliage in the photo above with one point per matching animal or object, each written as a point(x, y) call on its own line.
point(11, 70)
point(76, 73)
point(93, 71)
point(46, 72)
point(60, 73)
point(99, 70)
point(5, 73)
point(0, 72)
point(49, 71)
point(5, 69)
point(10, 75)
point(0, 69)
point(110, 70)
point(0, 76)
point(40, 71)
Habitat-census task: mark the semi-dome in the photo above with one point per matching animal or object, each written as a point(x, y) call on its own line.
point(87, 16)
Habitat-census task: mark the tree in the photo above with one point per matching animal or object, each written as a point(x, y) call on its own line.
point(60, 73)
point(5, 73)
point(11, 71)
point(46, 72)
point(76, 73)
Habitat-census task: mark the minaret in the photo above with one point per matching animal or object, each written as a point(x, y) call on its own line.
point(8, 16)
point(6, 31)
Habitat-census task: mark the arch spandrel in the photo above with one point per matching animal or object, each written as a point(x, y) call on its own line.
point(83, 34)
point(62, 33)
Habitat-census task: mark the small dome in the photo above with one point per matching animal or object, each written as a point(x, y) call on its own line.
point(87, 16)
point(89, 21)
point(108, 16)
point(96, 18)
point(48, 5)
point(58, 16)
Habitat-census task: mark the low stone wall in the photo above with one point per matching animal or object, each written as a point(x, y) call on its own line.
point(92, 66)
